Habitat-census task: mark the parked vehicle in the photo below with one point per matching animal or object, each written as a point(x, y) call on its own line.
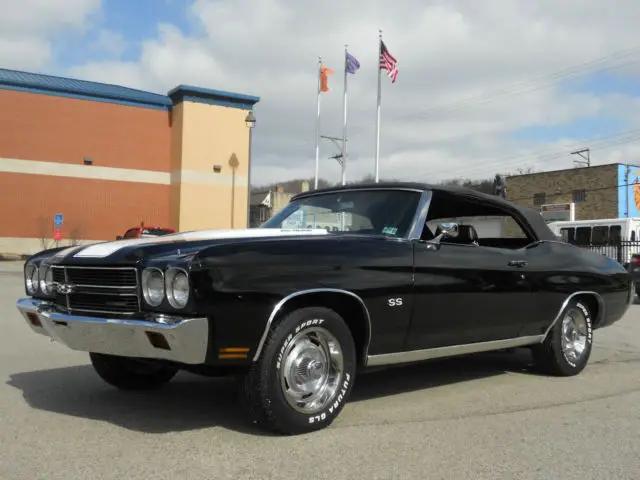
point(144, 232)
point(617, 238)
point(297, 314)
point(634, 271)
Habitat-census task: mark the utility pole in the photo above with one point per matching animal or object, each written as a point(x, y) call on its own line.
point(587, 158)
point(340, 145)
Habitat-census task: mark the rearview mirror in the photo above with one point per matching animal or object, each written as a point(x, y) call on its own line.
point(449, 229)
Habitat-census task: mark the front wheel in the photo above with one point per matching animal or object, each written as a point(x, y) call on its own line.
point(129, 373)
point(305, 372)
point(567, 348)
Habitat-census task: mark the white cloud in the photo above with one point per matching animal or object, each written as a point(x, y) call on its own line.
point(111, 43)
point(27, 28)
point(446, 115)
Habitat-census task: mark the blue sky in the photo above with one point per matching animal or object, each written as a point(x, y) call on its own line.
point(135, 20)
point(440, 47)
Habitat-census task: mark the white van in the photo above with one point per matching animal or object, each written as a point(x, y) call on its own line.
point(614, 237)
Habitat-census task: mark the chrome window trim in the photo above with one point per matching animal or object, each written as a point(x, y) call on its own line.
point(420, 217)
point(283, 301)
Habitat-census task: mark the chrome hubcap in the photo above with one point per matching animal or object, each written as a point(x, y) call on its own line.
point(574, 335)
point(311, 370)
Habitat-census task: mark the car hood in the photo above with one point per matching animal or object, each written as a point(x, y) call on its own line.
point(178, 243)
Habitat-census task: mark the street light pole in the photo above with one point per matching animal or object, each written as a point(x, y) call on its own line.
point(250, 120)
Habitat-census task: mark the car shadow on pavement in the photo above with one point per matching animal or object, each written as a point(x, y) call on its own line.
point(190, 402)
point(436, 373)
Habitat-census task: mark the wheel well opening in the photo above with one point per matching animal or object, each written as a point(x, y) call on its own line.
point(352, 311)
point(592, 303)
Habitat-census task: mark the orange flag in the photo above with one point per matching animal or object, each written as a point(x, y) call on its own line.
point(324, 71)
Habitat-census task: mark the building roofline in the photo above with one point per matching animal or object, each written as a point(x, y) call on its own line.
point(110, 93)
point(572, 169)
point(190, 93)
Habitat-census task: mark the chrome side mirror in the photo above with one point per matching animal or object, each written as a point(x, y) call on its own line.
point(448, 229)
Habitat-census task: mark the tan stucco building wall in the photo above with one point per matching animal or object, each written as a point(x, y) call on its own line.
point(108, 158)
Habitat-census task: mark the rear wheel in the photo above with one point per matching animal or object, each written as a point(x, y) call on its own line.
point(129, 373)
point(567, 348)
point(305, 373)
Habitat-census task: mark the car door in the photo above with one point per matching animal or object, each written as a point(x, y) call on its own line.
point(466, 294)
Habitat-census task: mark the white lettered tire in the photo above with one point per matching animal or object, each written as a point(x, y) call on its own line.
point(567, 348)
point(305, 372)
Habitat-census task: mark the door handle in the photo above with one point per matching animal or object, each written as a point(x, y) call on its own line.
point(518, 263)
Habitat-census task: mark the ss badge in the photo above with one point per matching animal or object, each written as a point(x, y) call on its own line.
point(394, 302)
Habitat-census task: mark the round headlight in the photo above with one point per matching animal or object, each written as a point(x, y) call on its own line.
point(177, 283)
point(31, 278)
point(46, 280)
point(153, 286)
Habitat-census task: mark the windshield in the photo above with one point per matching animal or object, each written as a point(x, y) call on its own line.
point(377, 212)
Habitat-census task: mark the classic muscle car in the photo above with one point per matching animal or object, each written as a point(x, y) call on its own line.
point(296, 313)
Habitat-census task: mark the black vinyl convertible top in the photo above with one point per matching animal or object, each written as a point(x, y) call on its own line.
point(529, 215)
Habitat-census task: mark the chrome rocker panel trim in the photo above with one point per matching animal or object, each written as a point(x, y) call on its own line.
point(450, 351)
point(187, 338)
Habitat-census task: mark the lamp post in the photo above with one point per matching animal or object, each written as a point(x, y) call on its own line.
point(250, 120)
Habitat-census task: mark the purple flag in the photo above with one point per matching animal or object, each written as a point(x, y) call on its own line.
point(352, 64)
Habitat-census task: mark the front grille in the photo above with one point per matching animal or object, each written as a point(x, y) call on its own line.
point(106, 290)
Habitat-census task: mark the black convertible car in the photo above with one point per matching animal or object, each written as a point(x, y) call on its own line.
point(412, 273)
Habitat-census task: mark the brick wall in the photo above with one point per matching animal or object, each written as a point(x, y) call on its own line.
point(599, 182)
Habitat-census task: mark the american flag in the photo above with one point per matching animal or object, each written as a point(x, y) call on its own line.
point(388, 62)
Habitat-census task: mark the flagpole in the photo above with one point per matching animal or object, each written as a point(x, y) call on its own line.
point(344, 125)
point(377, 168)
point(318, 126)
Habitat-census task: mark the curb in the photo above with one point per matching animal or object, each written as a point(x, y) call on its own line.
point(8, 257)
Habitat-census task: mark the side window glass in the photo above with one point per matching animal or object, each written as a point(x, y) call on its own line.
point(600, 235)
point(583, 236)
point(131, 233)
point(615, 234)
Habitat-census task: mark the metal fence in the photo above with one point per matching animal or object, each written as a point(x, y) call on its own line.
point(620, 251)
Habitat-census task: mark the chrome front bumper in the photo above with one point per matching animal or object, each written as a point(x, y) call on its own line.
point(183, 340)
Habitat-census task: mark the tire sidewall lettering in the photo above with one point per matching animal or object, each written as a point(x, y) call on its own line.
point(306, 324)
point(336, 405)
point(587, 316)
point(589, 340)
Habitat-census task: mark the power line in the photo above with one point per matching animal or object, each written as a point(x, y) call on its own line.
point(538, 83)
point(517, 160)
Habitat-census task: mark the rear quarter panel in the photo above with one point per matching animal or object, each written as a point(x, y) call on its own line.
point(557, 270)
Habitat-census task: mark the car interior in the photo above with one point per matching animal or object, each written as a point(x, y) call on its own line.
point(466, 210)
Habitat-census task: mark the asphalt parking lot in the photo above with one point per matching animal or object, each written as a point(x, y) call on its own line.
point(482, 417)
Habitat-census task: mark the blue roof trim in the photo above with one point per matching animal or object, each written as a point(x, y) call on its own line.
point(189, 93)
point(103, 92)
point(83, 89)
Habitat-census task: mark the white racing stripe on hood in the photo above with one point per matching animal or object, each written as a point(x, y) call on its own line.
point(101, 250)
point(67, 251)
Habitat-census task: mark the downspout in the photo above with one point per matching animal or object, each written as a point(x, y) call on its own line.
point(626, 188)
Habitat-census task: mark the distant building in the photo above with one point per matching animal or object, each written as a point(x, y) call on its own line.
point(266, 203)
point(586, 193)
point(104, 158)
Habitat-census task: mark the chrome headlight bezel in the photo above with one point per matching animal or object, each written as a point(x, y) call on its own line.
point(148, 275)
point(46, 279)
point(171, 275)
point(31, 278)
